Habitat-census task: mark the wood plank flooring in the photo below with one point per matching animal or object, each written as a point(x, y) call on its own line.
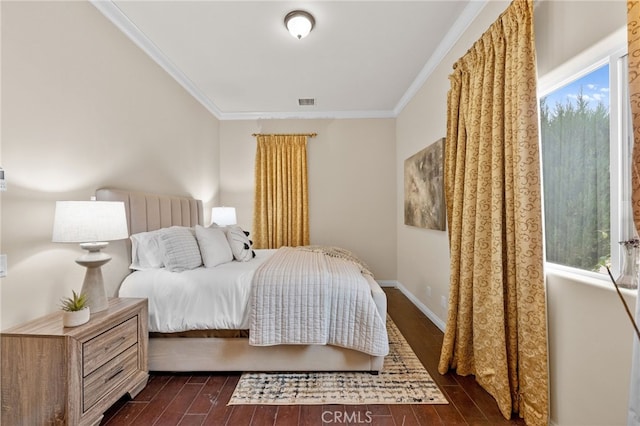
point(200, 399)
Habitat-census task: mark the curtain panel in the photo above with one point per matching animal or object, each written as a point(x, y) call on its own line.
point(496, 324)
point(281, 207)
point(633, 40)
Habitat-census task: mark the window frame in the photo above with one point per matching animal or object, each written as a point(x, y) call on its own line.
point(609, 51)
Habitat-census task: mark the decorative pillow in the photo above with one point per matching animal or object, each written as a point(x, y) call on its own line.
point(240, 243)
point(214, 246)
point(146, 252)
point(181, 251)
point(216, 226)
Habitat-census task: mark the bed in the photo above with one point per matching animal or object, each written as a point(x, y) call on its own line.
point(220, 341)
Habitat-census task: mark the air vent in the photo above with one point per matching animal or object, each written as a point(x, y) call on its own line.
point(306, 102)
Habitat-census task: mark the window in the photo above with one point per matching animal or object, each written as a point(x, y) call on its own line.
point(586, 162)
point(574, 131)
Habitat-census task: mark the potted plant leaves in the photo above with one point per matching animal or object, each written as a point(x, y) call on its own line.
point(75, 310)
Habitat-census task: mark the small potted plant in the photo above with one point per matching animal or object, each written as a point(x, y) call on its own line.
point(75, 310)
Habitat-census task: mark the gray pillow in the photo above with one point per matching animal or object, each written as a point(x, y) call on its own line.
point(181, 251)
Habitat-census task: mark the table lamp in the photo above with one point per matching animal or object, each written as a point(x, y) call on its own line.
point(92, 224)
point(223, 216)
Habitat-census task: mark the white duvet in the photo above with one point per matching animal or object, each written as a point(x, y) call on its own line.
point(198, 299)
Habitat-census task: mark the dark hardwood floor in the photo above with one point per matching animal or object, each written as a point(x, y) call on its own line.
point(200, 399)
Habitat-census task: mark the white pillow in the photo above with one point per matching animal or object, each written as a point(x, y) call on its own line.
point(181, 251)
point(214, 246)
point(240, 243)
point(146, 252)
point(216, 226)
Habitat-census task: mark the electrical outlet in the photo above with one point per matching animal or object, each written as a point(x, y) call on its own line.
point(3, 265)
point(443, 301)
point(428, 291)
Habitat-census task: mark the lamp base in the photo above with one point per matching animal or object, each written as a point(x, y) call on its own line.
point(93, 284)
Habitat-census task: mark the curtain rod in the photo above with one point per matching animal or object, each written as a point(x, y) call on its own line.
point(311, 135)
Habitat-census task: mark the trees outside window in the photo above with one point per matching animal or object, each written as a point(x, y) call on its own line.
point(585, 145)
point(574, 128)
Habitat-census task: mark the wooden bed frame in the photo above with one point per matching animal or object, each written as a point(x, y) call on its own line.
point(148, 212)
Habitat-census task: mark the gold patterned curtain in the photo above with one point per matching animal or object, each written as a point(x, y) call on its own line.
point(496, 324)
point(633, 41)
point(281, 207)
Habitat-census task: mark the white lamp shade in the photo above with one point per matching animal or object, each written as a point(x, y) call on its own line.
point(299, 23)
point(223, 216)
point(89, 221)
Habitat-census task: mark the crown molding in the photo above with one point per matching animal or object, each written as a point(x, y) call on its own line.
point(113, 13)
point(306, 115)
point(461, 25)
point(122, 22)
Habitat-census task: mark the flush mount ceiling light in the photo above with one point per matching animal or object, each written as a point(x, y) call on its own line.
point(299, 23)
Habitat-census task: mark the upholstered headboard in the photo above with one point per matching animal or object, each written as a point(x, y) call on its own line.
point(148, 212)
point(145, 212)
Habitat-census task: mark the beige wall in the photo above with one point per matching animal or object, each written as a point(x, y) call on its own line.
point(83, 108)
point(351, 182)
point(590, 338)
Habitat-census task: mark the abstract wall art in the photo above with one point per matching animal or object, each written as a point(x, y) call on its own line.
point(424, 188)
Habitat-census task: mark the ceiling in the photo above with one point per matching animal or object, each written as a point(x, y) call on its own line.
point(363, 59)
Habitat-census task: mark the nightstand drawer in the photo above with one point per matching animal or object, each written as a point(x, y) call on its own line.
point(110, 375)
point(109, 344)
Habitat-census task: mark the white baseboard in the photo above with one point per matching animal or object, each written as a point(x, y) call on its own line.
point(388, 283)
point(428, 312)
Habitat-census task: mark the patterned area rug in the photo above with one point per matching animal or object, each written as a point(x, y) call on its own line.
point(403, 380)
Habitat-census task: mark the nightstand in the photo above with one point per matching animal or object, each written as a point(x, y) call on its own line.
point(71, 376)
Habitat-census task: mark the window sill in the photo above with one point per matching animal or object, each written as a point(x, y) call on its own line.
point(601, 281)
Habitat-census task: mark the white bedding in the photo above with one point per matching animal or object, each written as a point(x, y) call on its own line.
point(179, 301)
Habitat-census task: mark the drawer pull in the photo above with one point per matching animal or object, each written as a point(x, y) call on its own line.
point(120, 370)
point(115, 344)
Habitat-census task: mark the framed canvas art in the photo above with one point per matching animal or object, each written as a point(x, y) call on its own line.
point(424, 188)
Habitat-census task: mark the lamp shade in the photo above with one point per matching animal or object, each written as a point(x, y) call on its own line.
point(299, 23)
point(89, 221)
point(223, 216)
